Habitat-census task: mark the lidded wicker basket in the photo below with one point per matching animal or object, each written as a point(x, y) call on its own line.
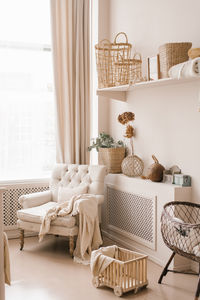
point(108, 55)
point(172, 54)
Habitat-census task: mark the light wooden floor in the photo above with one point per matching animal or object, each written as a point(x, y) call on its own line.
point(45, 271)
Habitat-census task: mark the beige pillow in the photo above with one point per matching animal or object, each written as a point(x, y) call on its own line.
point(65, 193)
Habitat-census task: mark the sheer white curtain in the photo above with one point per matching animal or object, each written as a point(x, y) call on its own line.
point(71, 55)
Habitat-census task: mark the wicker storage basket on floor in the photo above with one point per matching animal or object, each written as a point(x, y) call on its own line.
point(172, 54)
point(107, 56)
point(112, 158)
point(126, 273)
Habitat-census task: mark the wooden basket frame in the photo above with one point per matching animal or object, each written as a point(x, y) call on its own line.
point(126, 273)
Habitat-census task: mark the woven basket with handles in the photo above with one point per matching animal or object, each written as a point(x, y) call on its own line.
point(129, 71)
point(107, 56)
point(172, 54)
point(112, 158)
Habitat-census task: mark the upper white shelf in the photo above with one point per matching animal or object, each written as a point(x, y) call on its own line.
point(120, 92)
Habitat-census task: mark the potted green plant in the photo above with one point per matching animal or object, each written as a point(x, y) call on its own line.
point(111, 153)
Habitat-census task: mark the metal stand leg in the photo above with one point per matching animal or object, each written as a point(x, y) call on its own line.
point(71, 245)
point(165, 270)
point(198, 287)
point(21, 239)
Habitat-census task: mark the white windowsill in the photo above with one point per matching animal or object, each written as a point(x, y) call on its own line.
point(21, 181)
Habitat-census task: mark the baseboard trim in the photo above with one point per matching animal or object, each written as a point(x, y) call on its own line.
point(129, 245)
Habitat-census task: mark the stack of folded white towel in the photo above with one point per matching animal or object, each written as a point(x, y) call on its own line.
point(187, 69)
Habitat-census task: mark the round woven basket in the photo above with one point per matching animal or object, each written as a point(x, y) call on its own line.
point(132, 166)
point(112, 158)
point(172, 54)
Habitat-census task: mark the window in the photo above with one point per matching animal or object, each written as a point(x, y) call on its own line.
point(27, 137)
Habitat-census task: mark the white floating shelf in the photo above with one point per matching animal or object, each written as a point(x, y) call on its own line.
point(120, 92)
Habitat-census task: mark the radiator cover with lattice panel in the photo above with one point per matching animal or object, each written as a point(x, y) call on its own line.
point(11, 197)
point(132, 215)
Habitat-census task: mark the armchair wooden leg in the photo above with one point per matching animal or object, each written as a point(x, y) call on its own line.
point(71, 245)
point(21, 239)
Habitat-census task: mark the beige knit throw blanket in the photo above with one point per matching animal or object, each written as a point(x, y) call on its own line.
point(89, 236)
point(102, 258)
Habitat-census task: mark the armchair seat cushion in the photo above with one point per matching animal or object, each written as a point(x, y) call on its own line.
point(36, 214)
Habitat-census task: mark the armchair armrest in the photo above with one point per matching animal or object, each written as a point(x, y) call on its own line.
point(100, 199)
point(35, 199)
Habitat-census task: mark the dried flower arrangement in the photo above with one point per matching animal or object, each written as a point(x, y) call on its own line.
point(132, 165)
point(125, 119)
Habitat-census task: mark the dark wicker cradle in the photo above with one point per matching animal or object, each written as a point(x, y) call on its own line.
point(180, 228)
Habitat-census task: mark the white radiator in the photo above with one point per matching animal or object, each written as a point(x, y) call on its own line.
point(10, 200)
point(132, 215)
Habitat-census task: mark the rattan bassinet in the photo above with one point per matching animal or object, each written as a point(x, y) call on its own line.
point(180, 228)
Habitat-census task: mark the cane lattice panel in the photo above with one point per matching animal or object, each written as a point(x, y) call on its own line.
point(11, 197)
point(132, 215)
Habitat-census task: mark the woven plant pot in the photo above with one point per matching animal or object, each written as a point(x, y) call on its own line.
point(132, 166)
point(172, 54)
point(112, 158)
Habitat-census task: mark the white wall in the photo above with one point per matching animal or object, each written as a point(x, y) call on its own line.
point(2, 278)
point(167, 118)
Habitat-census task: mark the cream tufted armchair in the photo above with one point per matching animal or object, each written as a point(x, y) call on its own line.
point(70, 176)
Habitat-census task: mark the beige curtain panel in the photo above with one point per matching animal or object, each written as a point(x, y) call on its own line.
point(71, 55)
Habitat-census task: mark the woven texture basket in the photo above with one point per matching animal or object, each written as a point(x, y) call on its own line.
point(129, 71)
point(172, 54)
point(132, 166)
point(108, 55)
point(112, 158)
